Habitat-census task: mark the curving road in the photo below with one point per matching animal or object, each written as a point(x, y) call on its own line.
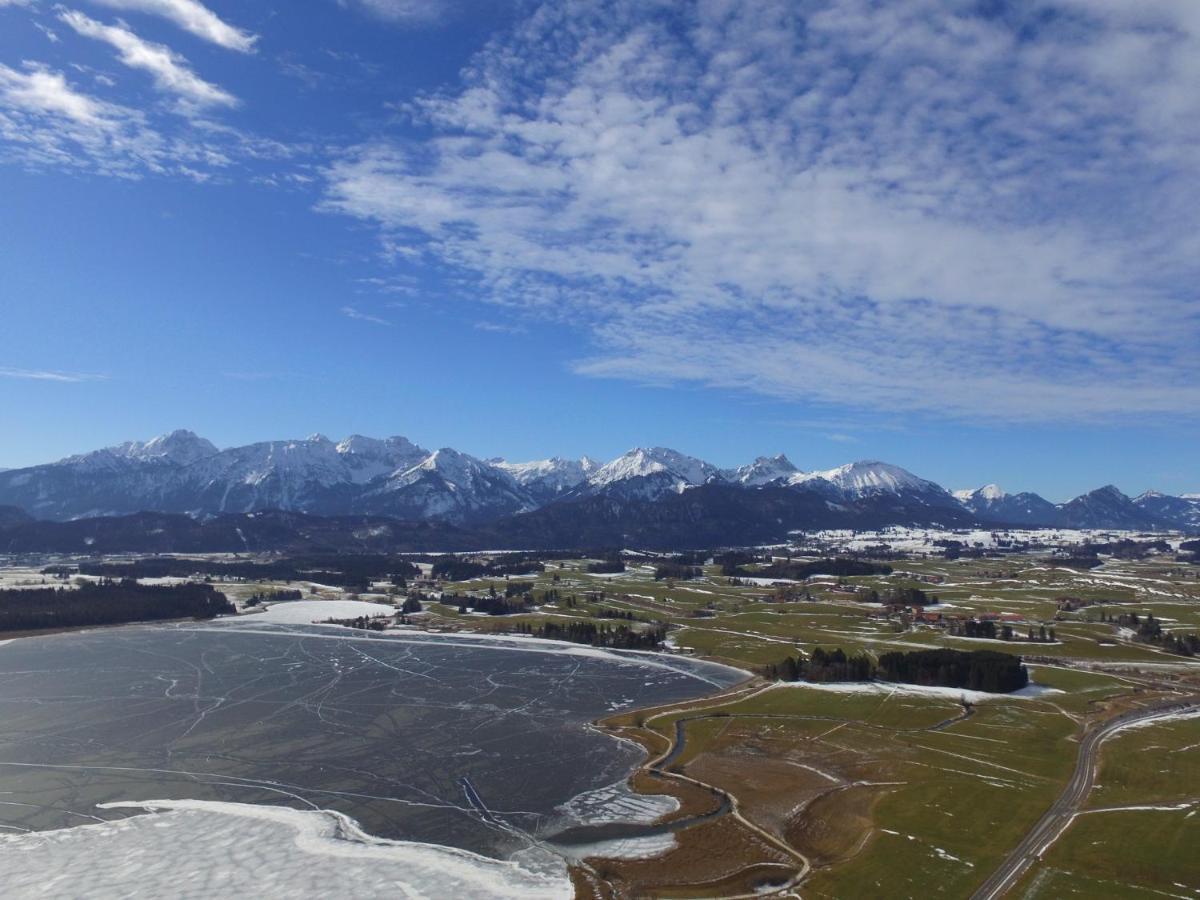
point(1056, 819)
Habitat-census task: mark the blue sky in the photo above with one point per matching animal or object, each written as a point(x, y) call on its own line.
point(958, 236)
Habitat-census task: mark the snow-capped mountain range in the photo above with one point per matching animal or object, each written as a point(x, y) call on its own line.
point(181, 472)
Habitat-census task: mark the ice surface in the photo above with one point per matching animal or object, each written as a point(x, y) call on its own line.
point(474, 743)
point(306, 612)
point(198, 849)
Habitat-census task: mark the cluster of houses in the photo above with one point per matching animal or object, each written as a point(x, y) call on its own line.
point(925, 615)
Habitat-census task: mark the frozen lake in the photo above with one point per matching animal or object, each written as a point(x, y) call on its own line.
point(468, 743)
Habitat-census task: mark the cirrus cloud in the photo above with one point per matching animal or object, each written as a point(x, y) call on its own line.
point(170, 71)
point(49, 375)
point(913, 206)
point(192, 16)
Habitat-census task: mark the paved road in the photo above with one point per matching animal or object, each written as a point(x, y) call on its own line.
point(1059, 815)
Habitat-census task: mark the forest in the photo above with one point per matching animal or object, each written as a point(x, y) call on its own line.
point(976, 670)
point(620, 637)
point(822, 667)
point(108, 603)
point(840, 566)
point(455, 568)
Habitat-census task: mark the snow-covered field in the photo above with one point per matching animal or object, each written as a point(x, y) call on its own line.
point(919, 690)
point(307, 612)
point(204, 849)
point(923, 540)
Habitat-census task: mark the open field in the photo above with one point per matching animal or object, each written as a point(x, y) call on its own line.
point(1138, 833)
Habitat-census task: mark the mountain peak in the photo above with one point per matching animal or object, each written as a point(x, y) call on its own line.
point(763, 470)
point(867, 476)
point(179, 446)
point(641, 462)
point(990, 492)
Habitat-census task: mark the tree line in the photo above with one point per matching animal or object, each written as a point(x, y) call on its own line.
point(822, 667)
point(973, 628)
point(455, 568)
point(347, 570)
point(839, 566)
point(108, 603)
point(1149, 630)
point(619, 637)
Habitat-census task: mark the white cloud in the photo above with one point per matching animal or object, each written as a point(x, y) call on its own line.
point(499, 328)
point(169, 70)
point(48, 375)
point(191, 16)
point(354, 313)
point(907, 206)
point(409, 12)
point(46, 122)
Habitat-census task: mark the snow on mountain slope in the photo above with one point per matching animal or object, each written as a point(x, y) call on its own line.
point(546, 479)
point(314, 474)
point(368, 458)
point(989, 493)
point(859, 479)
point(181, 472)
point(450, 486)
point(1181, 512)
point(992, 504)
point(179, 447)
point(641, 462)
point(763, 470)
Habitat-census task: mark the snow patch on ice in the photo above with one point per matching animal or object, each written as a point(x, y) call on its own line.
point(241, 850)
point(949, 693)
point(307, 612)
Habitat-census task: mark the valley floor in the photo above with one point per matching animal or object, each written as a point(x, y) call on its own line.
point(875, 790)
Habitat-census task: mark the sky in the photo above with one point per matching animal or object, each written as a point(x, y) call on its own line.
point(962, 237)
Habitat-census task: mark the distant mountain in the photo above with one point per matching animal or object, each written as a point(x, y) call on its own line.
point(647, 474)
point(548, 479)
point(639, 491)
point(991, 504)
point(1181, 512)
point(1106, 507)
point(13, 515)
point(448, 486)
point(860, 479)
point(709, 515)
point(257, 532)
point(763, 470)
point(885, 493)
point(181, 472)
